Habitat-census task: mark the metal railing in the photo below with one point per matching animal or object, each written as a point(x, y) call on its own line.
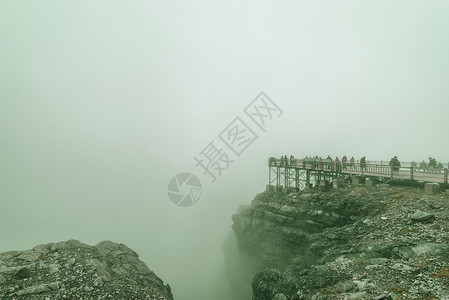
point(407, 170)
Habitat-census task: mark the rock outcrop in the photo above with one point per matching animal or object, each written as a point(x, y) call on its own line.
point(72, 270)
point(377, 242)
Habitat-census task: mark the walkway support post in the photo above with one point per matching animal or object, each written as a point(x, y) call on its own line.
point(445, 176)
point(278, 176)
point(269, 174)
point(296, 179)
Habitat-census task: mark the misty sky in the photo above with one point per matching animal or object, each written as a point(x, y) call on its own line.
point(102, 102)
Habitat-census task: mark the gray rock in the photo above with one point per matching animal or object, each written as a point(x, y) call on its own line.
point(54, 268)
point(98, 281)
point(35, 289)
point(361, 285)
point(53, 286)
point(401, 267)
point(318, 297)
point(371, 267)
point(430, 249)
point(378, 261)
point(355, 296)
point(30, 256)
point(70, 262)
point(368, 222)
point(279, 296)
point(23, 272)
point(420, 216)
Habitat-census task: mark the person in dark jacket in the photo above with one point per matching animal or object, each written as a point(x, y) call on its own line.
point(395, 164)
point(363, 163)
point(344, 160)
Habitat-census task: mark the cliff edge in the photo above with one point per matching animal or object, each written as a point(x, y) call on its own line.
point(381, 242)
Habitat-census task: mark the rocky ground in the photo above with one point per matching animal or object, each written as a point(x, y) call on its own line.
point(72, 270)
point(381, 242)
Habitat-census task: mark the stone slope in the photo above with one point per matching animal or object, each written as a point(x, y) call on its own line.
point(72, 270)
point(350, 243)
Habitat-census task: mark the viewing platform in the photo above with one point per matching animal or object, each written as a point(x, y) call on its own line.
point(299, 174)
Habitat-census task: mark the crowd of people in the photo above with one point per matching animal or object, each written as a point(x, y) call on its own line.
point(345, 163)
point(431, 166)
point(327, 163)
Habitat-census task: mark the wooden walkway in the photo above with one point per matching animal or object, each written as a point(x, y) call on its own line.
point(297, 173)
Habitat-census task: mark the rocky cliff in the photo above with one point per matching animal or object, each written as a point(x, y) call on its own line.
point(72, 270)
point(381, 242)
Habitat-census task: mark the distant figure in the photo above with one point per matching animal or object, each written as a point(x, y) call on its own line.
point(337, 164)
point(282, 160)
point(395, 165)
point(432, 164)
point(344, 161)
point(352, 162)
point(314, 163)
point(423, 166)
point(363, 163)
point(292, 160)
point(328, 162)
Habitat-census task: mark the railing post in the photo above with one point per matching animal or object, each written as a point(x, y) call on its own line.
point(445, 176)
point(278, 176)
point(296, 179)
point(411, 173)
point(269, 175)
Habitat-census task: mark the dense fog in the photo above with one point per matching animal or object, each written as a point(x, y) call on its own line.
point(102, 103)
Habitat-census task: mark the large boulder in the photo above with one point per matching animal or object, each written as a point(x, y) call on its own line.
point(73, 270)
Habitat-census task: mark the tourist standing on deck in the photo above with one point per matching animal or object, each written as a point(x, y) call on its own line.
point(363, 163)
point(344, 160)
point(394, 165)
point(337, 164)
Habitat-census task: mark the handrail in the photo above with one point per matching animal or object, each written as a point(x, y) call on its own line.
point(370, 169)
